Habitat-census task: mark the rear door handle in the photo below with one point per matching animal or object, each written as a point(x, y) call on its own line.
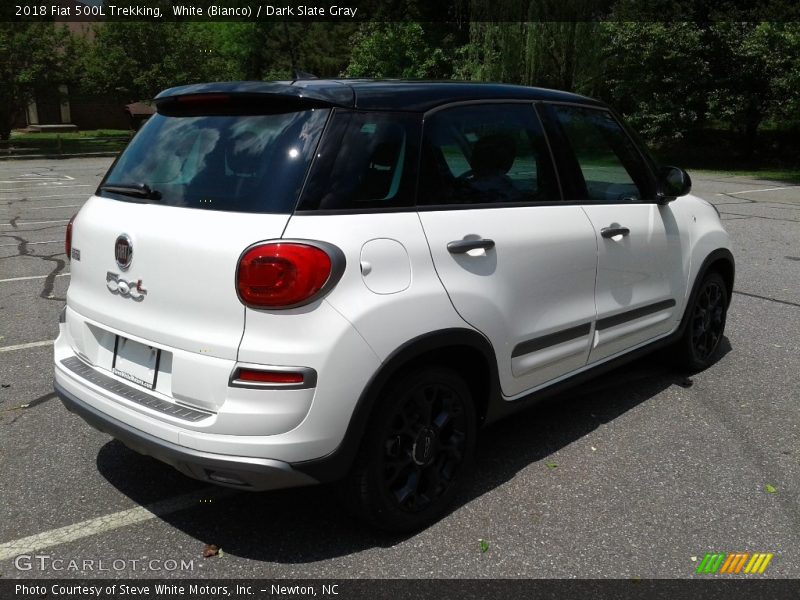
point(609, 232)
point(463, 246)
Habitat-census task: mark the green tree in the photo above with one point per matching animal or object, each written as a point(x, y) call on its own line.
point(34, 58)
point(567, 55)
point(272, 50)
point(135, 60)
point(397, 50)
point(494, 53)
point(676, 79)
point(657, 74)
point(756, 68)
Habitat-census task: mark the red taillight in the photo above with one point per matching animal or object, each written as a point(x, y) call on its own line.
point(68, 237)
point(269, 376)
point(203, 98)
point(282, 274)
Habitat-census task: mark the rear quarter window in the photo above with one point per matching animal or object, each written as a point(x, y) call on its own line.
point(367, 161)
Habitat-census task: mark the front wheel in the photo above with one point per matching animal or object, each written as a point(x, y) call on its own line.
point(700, 343)
point(417, 451)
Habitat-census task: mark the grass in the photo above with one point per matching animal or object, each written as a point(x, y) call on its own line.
point(788, 175)
point(72, 135)
point(775, 155)
point(75, 142)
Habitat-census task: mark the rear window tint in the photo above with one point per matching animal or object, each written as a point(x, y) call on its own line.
point(240, 163)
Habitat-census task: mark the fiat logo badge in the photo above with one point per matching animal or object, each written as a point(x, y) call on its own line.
point(123, 251)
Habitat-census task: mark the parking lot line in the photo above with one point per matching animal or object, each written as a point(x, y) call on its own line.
point(34, 243)
point(33, 223)
point(52, 207)
point(772, 189)
point(48, 196)
point(109, 522)
point(25, 346)
point(36, 180)
point(39, 186)
point(34, 177)
point(29, 277)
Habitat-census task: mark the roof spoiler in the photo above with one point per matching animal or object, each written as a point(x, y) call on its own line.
point(252, 96)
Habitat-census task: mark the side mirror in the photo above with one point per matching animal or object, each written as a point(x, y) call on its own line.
point(672, 183)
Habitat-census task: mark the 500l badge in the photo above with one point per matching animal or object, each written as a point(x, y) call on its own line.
point(126, 289)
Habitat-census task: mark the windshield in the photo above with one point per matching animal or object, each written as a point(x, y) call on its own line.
point(241, 163)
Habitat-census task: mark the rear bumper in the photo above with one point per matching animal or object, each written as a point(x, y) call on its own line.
point(247, 473)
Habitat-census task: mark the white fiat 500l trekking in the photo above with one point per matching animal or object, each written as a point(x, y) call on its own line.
point(279, 284)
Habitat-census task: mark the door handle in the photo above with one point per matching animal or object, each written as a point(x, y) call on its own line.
point(609, 232)
point(463, 246)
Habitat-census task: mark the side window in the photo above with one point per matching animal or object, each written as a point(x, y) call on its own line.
point(611, 167)
point(485, 154)
point(367, 160)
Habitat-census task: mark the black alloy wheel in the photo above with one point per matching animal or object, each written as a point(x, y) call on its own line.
point(417, 452)
point(708, 319)
point(706, 316)
point(424, 446)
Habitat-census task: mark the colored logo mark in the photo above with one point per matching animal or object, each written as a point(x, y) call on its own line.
point(734, 563)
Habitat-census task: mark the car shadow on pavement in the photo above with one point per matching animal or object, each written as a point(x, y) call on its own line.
point(306, 525)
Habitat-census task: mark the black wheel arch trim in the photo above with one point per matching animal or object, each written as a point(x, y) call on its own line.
point(336, 465)
point(720, 254)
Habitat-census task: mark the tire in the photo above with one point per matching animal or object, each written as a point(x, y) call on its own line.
point(417, 452)
point(699, 346)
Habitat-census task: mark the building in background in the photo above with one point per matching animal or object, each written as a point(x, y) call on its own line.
point(64, 107)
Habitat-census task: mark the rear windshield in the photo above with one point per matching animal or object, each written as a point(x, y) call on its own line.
point(241, 163)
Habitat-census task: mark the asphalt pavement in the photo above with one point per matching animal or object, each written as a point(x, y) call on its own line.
point(639, 473)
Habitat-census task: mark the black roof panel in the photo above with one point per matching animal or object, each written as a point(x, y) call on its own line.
point(425, 95)
point(369, 94)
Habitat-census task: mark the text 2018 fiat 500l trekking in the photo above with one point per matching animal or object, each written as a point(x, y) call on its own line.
point(279, 284)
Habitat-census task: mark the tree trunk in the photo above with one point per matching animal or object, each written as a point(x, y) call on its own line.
point(6, 120)
point(568, 49)
point(290, 49)
point(752, 121)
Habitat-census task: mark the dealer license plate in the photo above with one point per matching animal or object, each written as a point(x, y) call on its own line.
point(136, 362)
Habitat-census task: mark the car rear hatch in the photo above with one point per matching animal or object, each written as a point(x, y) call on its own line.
point(155, 251)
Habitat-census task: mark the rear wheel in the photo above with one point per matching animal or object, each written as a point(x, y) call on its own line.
point(417, 451)
point(700, 343)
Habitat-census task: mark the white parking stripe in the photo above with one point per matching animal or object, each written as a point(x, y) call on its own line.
point(34, 243)
point(50, 196)
point(41, 176)
point(37, 179)
point(31, 277)
point(788, 187)
point(33, 223)
point(40, 185)
point(25, 346)
point(52, 207)
point(106, 523)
